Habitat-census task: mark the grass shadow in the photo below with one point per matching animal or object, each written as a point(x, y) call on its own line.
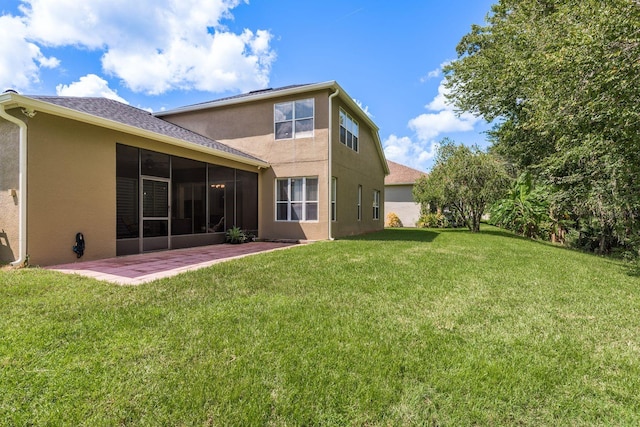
point(397, 234)
point(633, 271)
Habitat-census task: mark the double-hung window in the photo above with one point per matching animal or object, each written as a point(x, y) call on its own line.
point(293, 119)
point(297, 199)
point(334, 191)
point(376, 204)
point(349, 130)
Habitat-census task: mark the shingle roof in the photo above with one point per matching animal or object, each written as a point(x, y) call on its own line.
point(132, 116)
point(401, 174)
point(247, 94)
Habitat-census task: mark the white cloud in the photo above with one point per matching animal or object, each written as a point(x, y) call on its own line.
point(89, 85)
point(413, 153)
point(431, 125)
point(418, 151)
point(433, 74)
point(155, 46)
point(20, 59)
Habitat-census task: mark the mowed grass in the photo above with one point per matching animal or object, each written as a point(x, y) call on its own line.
point(402, 327)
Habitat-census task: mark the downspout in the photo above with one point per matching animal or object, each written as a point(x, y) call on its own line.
point(329, 160)
point(22, 190)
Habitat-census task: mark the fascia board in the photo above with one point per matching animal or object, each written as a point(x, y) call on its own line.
point(13, 101)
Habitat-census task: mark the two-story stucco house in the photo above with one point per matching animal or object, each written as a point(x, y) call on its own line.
point(300, 162)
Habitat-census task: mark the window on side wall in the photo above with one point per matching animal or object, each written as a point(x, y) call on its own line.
point(293, 119)
point(297, 199)
point(349, 130)
point(359, 202)
point(334, 192)
point(376, 204)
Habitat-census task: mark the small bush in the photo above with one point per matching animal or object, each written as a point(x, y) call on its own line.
point(236, 235)
point(393, 221)
point(432, 220)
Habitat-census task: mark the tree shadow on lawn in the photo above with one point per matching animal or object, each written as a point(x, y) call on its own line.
point(397, 234)
point(632, 268)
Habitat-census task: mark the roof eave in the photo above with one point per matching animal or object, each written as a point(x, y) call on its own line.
point(12, 100)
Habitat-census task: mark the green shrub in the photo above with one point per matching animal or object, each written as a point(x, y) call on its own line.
point(432, 220)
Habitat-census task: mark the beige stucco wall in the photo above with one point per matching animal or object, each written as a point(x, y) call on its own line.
point(249, 127)
point(71, 176)
point(399, 200)
point(9, 179)
point(72, 186)
point(352, 169)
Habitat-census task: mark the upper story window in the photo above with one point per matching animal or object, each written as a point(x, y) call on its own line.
point(349, 130)
point(293, 119)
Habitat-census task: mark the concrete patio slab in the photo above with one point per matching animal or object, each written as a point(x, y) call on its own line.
point(142, 268)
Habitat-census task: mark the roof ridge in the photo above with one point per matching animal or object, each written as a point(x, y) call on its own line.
point(246, 94)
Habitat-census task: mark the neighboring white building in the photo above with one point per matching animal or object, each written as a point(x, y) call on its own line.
point(398, 186)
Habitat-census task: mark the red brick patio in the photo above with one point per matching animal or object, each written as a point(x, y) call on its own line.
point(137, 269)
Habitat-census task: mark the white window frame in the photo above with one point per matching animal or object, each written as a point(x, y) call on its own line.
point(349, 127)
point(294, 119)
point(334, 196)
point(376, 204)
point(305, 202)
point(359, 202)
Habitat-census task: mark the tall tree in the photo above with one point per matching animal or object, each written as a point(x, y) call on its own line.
point(463, 179)
point(562, 80)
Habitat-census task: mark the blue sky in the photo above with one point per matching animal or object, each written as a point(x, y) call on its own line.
point(162, 54)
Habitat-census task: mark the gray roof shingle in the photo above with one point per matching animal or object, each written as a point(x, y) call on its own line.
point(401, 174)
point(247, 94)
point(132, 116)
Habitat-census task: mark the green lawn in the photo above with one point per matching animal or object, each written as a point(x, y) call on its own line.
point(402, 327)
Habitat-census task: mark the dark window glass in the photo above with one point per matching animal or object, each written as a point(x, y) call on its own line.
point(221, 198)
point(283, 209)
point(155, 199)
point(247, 200)
point(305, 125)
point(304, 108)
point(188, 195)
point(156, 228)
point(127, 217)
point(283, 130)
point(154, 164)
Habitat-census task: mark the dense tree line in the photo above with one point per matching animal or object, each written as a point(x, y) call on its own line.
point(561, 80)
